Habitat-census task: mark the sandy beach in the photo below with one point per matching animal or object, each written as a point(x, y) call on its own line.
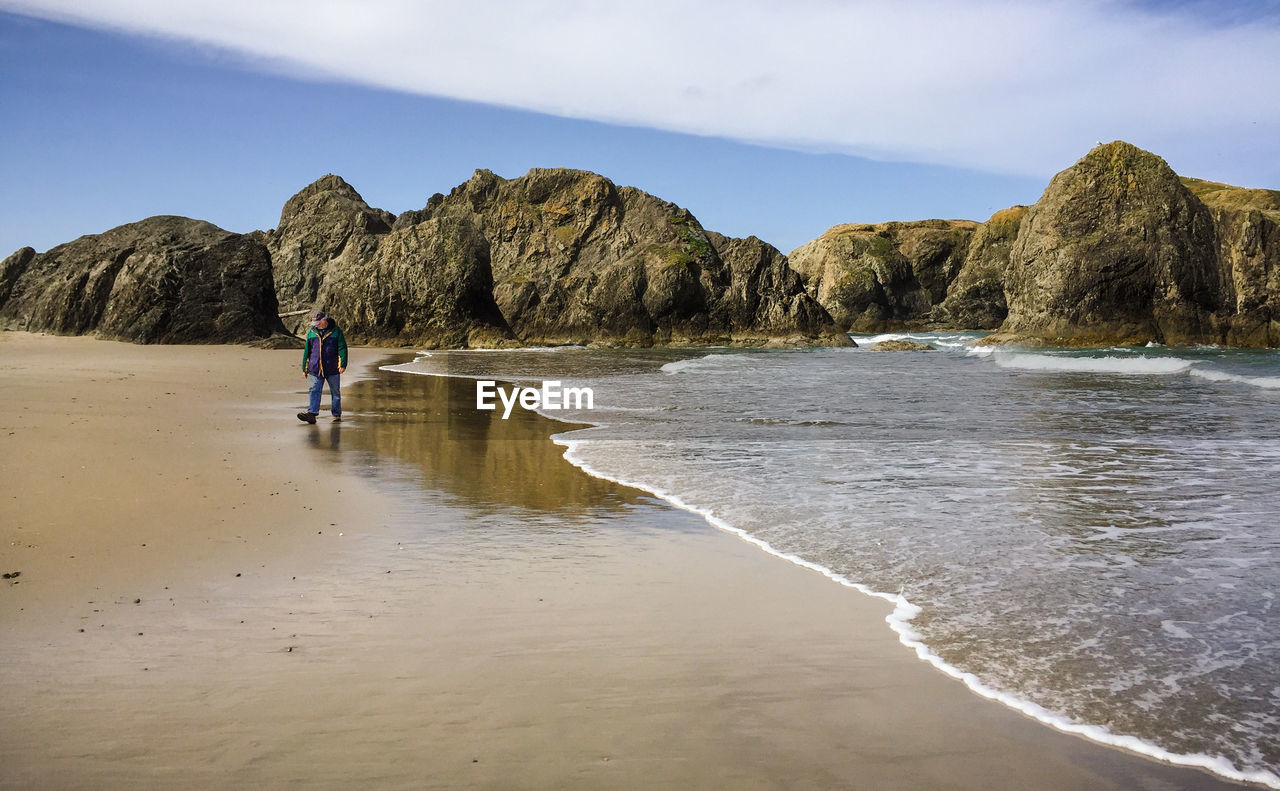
point(212, 594)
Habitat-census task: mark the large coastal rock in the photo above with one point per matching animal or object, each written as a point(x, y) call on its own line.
point(162, 280)
point(1249, 252)
point(1117, 250)
point(428, 284)
point(1248, 229)
point(13, 268)
point(975, 299)
point(764, 292)
point(577, 259)
point(889, 276)
point(327, 227)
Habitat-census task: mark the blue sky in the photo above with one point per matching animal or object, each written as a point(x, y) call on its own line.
point(132, 113)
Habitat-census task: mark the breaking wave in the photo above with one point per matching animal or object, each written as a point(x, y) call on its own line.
point(1138, 366)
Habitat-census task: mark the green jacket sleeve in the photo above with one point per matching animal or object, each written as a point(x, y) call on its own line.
point(342, 348)
point(306, 352)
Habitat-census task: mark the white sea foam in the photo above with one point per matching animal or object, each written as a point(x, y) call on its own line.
point(407, 368)
point(704, 364)
point(519, 349)
point(1131, 365)
point(942, 340)
point(888, 336)
point(685, 365)
point(1213, 375)
point(1158, 366)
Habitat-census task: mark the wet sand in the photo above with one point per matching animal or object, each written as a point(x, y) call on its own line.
point(425, 596)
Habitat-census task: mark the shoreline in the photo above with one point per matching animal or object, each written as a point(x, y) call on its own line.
point(488, 613)
point(899, 620)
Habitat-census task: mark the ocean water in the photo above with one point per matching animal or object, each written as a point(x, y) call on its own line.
point(1091, 537)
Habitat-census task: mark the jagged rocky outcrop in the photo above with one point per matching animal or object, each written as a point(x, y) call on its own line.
point(975, 298)
point(901, 345)
point(887, 276)
point(577, 259)
point(13, 268)
point(556, 256)
point(565, 257)
point(1249, 253)
point(1248, 228)
point(428, 283)
point(1117, 250)
point(1120, 249)
point(326, 227)
point(161, 280)
point(764, 292)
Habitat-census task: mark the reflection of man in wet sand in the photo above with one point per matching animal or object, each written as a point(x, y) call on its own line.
point(323, 358)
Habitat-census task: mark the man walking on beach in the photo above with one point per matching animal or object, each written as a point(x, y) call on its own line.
point(323, 358)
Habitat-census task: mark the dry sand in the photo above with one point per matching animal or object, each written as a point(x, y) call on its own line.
point(214, 595)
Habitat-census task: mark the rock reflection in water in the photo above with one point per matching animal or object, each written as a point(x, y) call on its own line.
point(430, 427)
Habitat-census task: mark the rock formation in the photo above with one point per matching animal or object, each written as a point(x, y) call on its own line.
point(162, 280)
point(873, 278)
point(556, 256)
point(1248, 229)
point(427, 284)
point(764, 292)
point(327, 227)
point(1249, 252)
point(901, 346)
point(1117, 250)
point(975, 298)
point(13, 268)
point(576, 259)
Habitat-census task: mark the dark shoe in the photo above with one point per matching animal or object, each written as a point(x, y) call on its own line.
point(307, 417)
point(337, 418)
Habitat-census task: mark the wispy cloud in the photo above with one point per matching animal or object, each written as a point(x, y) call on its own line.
point(1023, 87)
